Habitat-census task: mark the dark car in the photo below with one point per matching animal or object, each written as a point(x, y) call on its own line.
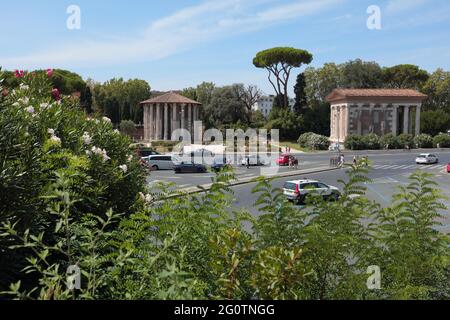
point(219, 164)
point(143, 153)
point(189, 167)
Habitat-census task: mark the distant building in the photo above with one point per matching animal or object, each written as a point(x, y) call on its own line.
point(265, 104)
point(379, 111)
point(166, 113)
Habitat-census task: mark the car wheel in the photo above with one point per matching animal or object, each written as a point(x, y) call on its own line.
point(155, 168)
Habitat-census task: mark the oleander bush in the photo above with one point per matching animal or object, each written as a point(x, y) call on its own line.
point(371, 142)
point(354, 142)
point(442, 140)
point(423, 141)
point(389, 141)
point(314, 141)
point(43, 135)
point(406, 141)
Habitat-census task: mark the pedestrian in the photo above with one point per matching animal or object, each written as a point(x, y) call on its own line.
point(248, 162)
point(355, 161)
point(341, 160)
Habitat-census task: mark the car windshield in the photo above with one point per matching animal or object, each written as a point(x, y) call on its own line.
point(422, 156)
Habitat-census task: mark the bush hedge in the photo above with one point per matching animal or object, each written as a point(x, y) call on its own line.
point(442, 141)
point(389, 141)
point(314, 141)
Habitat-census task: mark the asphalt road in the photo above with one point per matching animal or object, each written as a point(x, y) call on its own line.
point(389, 171)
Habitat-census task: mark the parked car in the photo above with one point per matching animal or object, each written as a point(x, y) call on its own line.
point(427, 158)
point(297, 190)
point(146, 152)
point(284, 159)
point(189, 167)
point(161, 162)
point(219, 164)
point(253, 160)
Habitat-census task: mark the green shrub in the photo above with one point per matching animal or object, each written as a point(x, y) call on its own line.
point(303, 140)
point(389, 141)
point(423, 141)
point(442, 140)
point(371, 142)
point(40, 139)
point(354, 142)
point(406, 141)
point(127, 127)
point(314, 141)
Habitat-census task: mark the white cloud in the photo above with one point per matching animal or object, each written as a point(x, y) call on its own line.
point(175, 33)
point(396, 6)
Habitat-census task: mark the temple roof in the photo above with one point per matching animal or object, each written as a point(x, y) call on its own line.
point(170, 97)
point(342, 94)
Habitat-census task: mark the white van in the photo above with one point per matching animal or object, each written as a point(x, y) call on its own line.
point(161, 162)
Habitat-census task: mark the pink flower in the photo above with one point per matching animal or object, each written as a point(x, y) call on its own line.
point(56, 95)
point(49, 73)
point(19, 73)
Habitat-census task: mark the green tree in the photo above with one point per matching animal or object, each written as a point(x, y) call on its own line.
point(225, 108)
point(285, 120)
point(120, 100)
point(320, 82)
point(361, 75)
point(128, 127)
point(438, 90)
point(435, 122)
point(301, 103)
point(405, 76)
point(279, 62)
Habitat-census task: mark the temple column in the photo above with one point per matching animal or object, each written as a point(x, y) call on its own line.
point(166, 122)
point(360, 111)
point(189, 126)
point(418, 109)
point(395, 120)
point(347, 123)
point(175, 123)
point(158, 134)
point(406, 120)
point(372, 122)
point(146, 123)
point(151, 122)
point(183, 116)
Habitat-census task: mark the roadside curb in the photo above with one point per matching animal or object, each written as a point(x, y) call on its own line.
point(206, 187)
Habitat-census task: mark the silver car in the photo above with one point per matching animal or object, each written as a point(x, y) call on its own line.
point(427, 158)
point(162, 162)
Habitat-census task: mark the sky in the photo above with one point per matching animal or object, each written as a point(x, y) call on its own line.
point(174, 44)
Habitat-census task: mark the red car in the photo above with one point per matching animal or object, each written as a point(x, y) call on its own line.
point(283, 160)
point(448, 168)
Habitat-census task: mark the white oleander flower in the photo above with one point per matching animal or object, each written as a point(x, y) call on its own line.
point(124, 168)
point(146, 197)
point(29, 109)
point(44, 106)
point(24, 87)
point(130, 158)
point(106, 119)
point(55, 139)
point(87, 138)
point(51, 131)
